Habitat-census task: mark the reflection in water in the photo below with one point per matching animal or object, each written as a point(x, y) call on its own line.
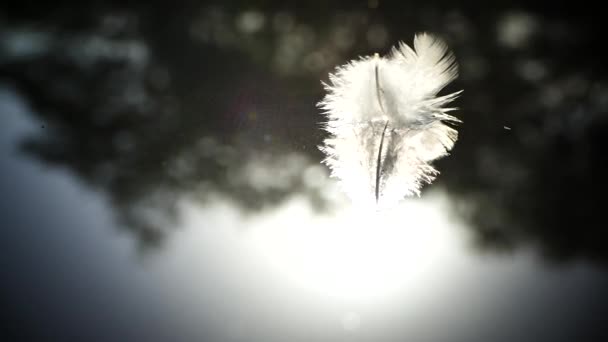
point(195, 126)
point(279, 273)
point(357, 253)
point(291, 271)
point(146, 106)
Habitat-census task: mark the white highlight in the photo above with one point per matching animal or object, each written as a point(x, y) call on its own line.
point(351, 321)
point(355, 254)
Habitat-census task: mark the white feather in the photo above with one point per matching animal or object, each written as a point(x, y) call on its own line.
point(386, 122)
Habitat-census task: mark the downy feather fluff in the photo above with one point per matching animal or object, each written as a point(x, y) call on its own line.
point(386, 122)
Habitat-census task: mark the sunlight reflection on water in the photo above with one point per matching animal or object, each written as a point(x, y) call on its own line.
point(281, 273)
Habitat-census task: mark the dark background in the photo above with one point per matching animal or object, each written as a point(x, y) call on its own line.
point(135, 104)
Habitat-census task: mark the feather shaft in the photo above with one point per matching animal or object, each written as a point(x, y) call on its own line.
point(378, 89)
point(379, 162)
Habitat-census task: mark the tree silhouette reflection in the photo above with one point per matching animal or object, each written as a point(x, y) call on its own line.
point(146, 106)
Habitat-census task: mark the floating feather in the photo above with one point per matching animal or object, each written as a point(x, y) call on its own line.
point(386, 122)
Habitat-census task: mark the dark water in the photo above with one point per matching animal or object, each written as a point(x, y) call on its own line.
point(161, 179)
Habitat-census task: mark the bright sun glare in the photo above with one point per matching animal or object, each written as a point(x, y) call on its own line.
point(357, 254)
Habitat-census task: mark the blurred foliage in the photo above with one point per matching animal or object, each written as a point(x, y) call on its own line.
point(151, 100)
